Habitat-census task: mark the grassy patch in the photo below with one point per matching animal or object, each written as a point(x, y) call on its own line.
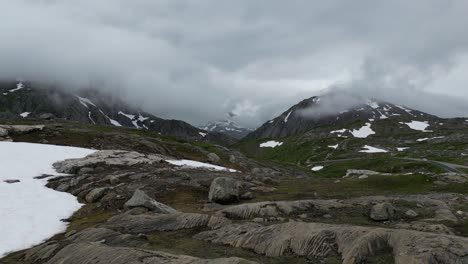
point(294, 189)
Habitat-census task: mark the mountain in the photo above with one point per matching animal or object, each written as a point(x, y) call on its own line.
point(20, 100)
point(319, 130)
point(227, 127)
point(316, 111)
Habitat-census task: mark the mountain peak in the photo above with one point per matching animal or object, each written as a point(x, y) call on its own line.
point(334, 110)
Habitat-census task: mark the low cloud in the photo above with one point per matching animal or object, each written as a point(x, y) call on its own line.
point(199, 60)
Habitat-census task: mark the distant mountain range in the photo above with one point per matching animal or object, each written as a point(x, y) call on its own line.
point(20, 100)
point(228, 127)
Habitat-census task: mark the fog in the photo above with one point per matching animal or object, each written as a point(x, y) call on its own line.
point(199, 60)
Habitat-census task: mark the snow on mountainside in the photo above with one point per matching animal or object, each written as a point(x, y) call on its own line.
point(316, 112)
point(228, 127)
point(19, 100)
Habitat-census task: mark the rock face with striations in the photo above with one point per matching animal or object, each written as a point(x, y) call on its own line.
point(106, 157)
point(224, 190)
point(353, 243)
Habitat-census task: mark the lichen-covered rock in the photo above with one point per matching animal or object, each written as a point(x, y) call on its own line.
point(106, 157)
point(382, 212)
point(224, 190)
point(353, 243)
point(213, 157)
point(95, 253)
point(141, 199)
point(144, 223)
point(95, 194)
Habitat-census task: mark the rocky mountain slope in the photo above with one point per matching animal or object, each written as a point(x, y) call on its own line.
point(227, 127)
point(311, 136)
point(323, 111)
point(19, 100)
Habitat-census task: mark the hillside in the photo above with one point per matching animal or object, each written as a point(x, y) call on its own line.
point(23, 100)
point(363, 132)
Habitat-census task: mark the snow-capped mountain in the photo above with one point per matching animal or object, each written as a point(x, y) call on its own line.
point(20, 100)
point(227, 127)
point(323, 111)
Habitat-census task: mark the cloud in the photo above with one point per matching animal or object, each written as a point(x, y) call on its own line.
point(198, 60)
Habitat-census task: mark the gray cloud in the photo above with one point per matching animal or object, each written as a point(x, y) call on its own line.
point(198, 60)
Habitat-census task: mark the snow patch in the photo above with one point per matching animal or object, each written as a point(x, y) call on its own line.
point(202, 134)
point(317, 168)
point(427, 139)
point(25, 114)
point(339, 131)
point(271, 144)
point(85, 101)
point(31, 212)
point(287, 117)
point(363, 132)
point(418, 125)
point(334, 146)
point(197, 164)
point(19, 86)
point(402, 148)
point(370, 149)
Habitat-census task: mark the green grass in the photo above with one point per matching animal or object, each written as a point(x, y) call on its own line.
point(293, 189)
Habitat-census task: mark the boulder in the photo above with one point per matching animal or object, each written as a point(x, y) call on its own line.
point(213, 158)
point(96, 194)
point(224, 190)
point(141, 199)
point(411, 213)
point(382, 211)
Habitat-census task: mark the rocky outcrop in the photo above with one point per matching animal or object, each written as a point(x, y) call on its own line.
point(224, 190)
point(6, 131)
point(141, 199)
point(163, 222)
point(281, 208)
point(353, 243)
point(94, 253)
point(106, 157)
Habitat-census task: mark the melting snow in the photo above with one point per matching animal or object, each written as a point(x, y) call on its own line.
point(131, 117)
point(31, 212)
point(370, 149)
point(334, 146)
point(363, 132)
point(402, 149)
point(25, 114)
point(418, 125)
point(19, 86)
point(112, 121)
point(287, 117)
point(339, 131)
point(90, 118)
point(271, 144)
point(142, 118)
point(374, 105)
point(317, 168)
point(426, 139)
point(85, 101)
point(196, 164)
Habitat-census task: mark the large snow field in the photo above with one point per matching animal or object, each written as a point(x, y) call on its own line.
point(30, 212)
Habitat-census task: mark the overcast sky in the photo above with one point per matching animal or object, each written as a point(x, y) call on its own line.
point(196, 60)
